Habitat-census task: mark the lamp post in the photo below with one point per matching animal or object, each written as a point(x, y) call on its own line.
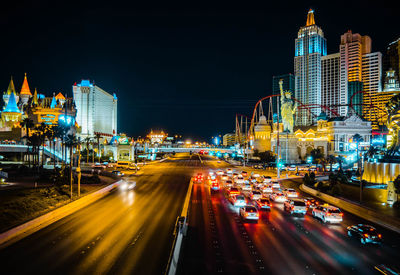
point(78, 171)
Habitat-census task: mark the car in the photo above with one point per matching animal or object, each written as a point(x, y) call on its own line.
point(235, 175)
point(276, 185)
point(246, 187)
point(266, 179)
point(215, 186)
point(117, 173)
point(228, 183)
point(128, 185)
point(249, 212)
point(295, 206)
point(239, 180)
point(229, 171)
point(123, 164)
point(263, 203)
point(277, 197)
point(253, 180)
point(365, 233)
point(255, 195)
point(224, 177)
point(290, 193)
point(267, 189)
point(238, 200)
point(244, 173)
point(220, 172)
point(292, 168)
point(328, 213)
point(311, 202)
point(234, 191)
point(97, 169)
point(198, 177)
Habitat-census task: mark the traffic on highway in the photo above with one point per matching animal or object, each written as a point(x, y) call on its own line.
point(253, 223)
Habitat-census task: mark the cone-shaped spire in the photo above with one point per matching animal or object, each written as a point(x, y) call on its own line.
point(35, 98)
point(310, 18)
point(25, 87)
point(60, 96)
point(11, 105)
point(53, 103)
point(11, 88)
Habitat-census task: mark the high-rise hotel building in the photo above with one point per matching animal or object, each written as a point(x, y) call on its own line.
point(310, 47)
point(352, 49)
point(96, 110)
point(330, 65)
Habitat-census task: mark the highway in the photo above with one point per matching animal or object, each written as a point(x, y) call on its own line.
point(127, 232)
point(220, 242)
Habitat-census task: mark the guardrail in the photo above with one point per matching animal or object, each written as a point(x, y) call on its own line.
point(180, 231)
point(371, 215)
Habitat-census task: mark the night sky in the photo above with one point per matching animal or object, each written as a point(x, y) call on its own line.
point(187, 67)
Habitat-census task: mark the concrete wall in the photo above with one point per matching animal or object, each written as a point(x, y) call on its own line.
point(368, 194)
point(355, 209)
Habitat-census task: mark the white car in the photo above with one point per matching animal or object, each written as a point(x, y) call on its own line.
point(255, 175)
point(276, 185)
point(220, 172)
point(249, 212)
point(290, 193)
point(266, 179)
point(238, 200)
point(239, 180)
point(228, 183)
point(229, 171)
point(246, 187)
point(278, 197)
point(291, 168)
point(224, 177)
point(267, 189)
point(328, 213)
point(255, 195)
point(295, 206)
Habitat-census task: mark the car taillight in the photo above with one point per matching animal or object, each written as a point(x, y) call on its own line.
point(257, 214)
point(365, 235)
point(379, 236)
point(341, 214)
point(328, 214)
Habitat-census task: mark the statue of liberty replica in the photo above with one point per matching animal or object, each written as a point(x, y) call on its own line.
point(288, 109)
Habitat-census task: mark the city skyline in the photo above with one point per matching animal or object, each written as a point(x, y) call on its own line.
point(222, 76)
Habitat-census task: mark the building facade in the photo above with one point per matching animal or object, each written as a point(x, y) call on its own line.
point(391, 60)
point(371, 77)
point(352, 49)
point(330, 65)
point(229, 139)
point(96, 110)
point(310, 46)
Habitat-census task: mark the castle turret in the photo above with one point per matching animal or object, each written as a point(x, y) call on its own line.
point(25, 93)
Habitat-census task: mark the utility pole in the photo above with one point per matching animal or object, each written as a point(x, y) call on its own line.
point(78, 171)
point(277, 143)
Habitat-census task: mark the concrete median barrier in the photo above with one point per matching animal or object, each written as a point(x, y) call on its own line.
point(371, 215)
point(30, 227)
point(179, 234)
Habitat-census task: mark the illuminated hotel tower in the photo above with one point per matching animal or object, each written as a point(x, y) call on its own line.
point(352, 49)
point(310, 46)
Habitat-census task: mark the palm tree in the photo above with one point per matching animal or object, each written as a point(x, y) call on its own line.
point(87, 140)
point(71, 141)
point(318, 157)
point(98, 136)
point(340, 160)
point(331, 160)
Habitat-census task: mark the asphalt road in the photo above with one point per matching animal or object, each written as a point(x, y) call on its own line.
point(127, 232)
point(220, 242)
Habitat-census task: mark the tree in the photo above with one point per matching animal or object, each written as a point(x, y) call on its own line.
point(340, 160)
point(71, 141)
point(318, 157)
point(98, 136)
point(331, 160)
point(28, 124)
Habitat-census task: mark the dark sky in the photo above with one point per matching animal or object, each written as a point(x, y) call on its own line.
point(184, 67)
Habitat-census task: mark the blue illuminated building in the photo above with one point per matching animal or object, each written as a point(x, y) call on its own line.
point(310, 46)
